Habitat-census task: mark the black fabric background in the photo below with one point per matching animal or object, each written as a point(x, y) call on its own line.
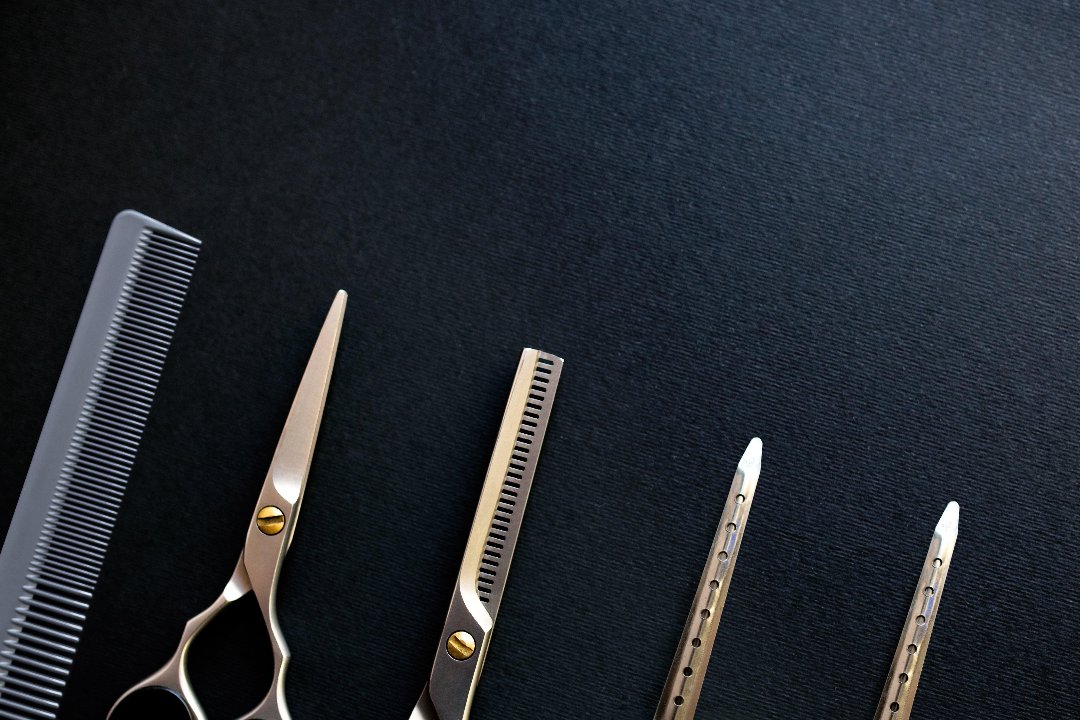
point(849, 228)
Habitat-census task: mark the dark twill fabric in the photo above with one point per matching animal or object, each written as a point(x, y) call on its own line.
point(849, 228)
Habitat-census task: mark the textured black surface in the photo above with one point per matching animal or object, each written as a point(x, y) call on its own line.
point(850, 229)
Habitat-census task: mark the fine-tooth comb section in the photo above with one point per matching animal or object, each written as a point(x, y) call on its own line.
point(899, 692)
point(112, 406)
point(683, 686)
point(517, 479)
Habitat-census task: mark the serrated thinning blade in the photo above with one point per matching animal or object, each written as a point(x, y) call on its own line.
point(510, 474)
point(486, 562)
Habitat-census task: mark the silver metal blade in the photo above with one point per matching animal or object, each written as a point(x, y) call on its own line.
point(424, 710)
point(899, 693)
point(683, 687)
point(292, 459)
point(509, 478)
point(470, 619)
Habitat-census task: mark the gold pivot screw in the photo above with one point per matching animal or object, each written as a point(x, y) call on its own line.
point(271, 520)
point(461, 645)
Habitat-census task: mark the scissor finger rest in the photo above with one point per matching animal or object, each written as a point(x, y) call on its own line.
point(171, 685)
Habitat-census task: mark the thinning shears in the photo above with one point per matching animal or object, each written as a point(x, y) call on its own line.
point(481, 580)
point(168, 692)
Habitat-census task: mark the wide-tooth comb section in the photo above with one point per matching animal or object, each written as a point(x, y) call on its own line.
point(112, 401)
point(899, 692)
point(683, 687)
point(536, 382)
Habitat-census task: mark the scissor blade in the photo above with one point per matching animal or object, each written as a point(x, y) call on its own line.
point(484, 567)
point(683, 687)
point(424, 710)
point(501, 507)
point(899, 693)
point(292, 459)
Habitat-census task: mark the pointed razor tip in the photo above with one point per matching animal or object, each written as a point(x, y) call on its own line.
point(949, 523)
point(751, 459)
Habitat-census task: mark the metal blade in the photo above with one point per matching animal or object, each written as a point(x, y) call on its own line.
point(486, 562)
point(683, 688)
point(509, 478)
point(292, 459)
point(424, 710)
point(899, 693)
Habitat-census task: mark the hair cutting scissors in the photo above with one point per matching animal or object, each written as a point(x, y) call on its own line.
point(168, 691)
point(899, 692)
point(463, 646)
point(683, 688)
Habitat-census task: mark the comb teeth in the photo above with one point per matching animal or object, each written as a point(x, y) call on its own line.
point(67, 559)
point(517, 480)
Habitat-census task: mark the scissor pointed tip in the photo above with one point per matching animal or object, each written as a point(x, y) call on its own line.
point(340, 298)
point(292, 459)
point(325, 350)
point(949, 523)
point(334, 317)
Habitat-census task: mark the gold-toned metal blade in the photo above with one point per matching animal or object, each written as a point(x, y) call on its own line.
point(292, 459)
point(683, 688)
point(484, 566)
point(499, 512)
point(899, 693)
